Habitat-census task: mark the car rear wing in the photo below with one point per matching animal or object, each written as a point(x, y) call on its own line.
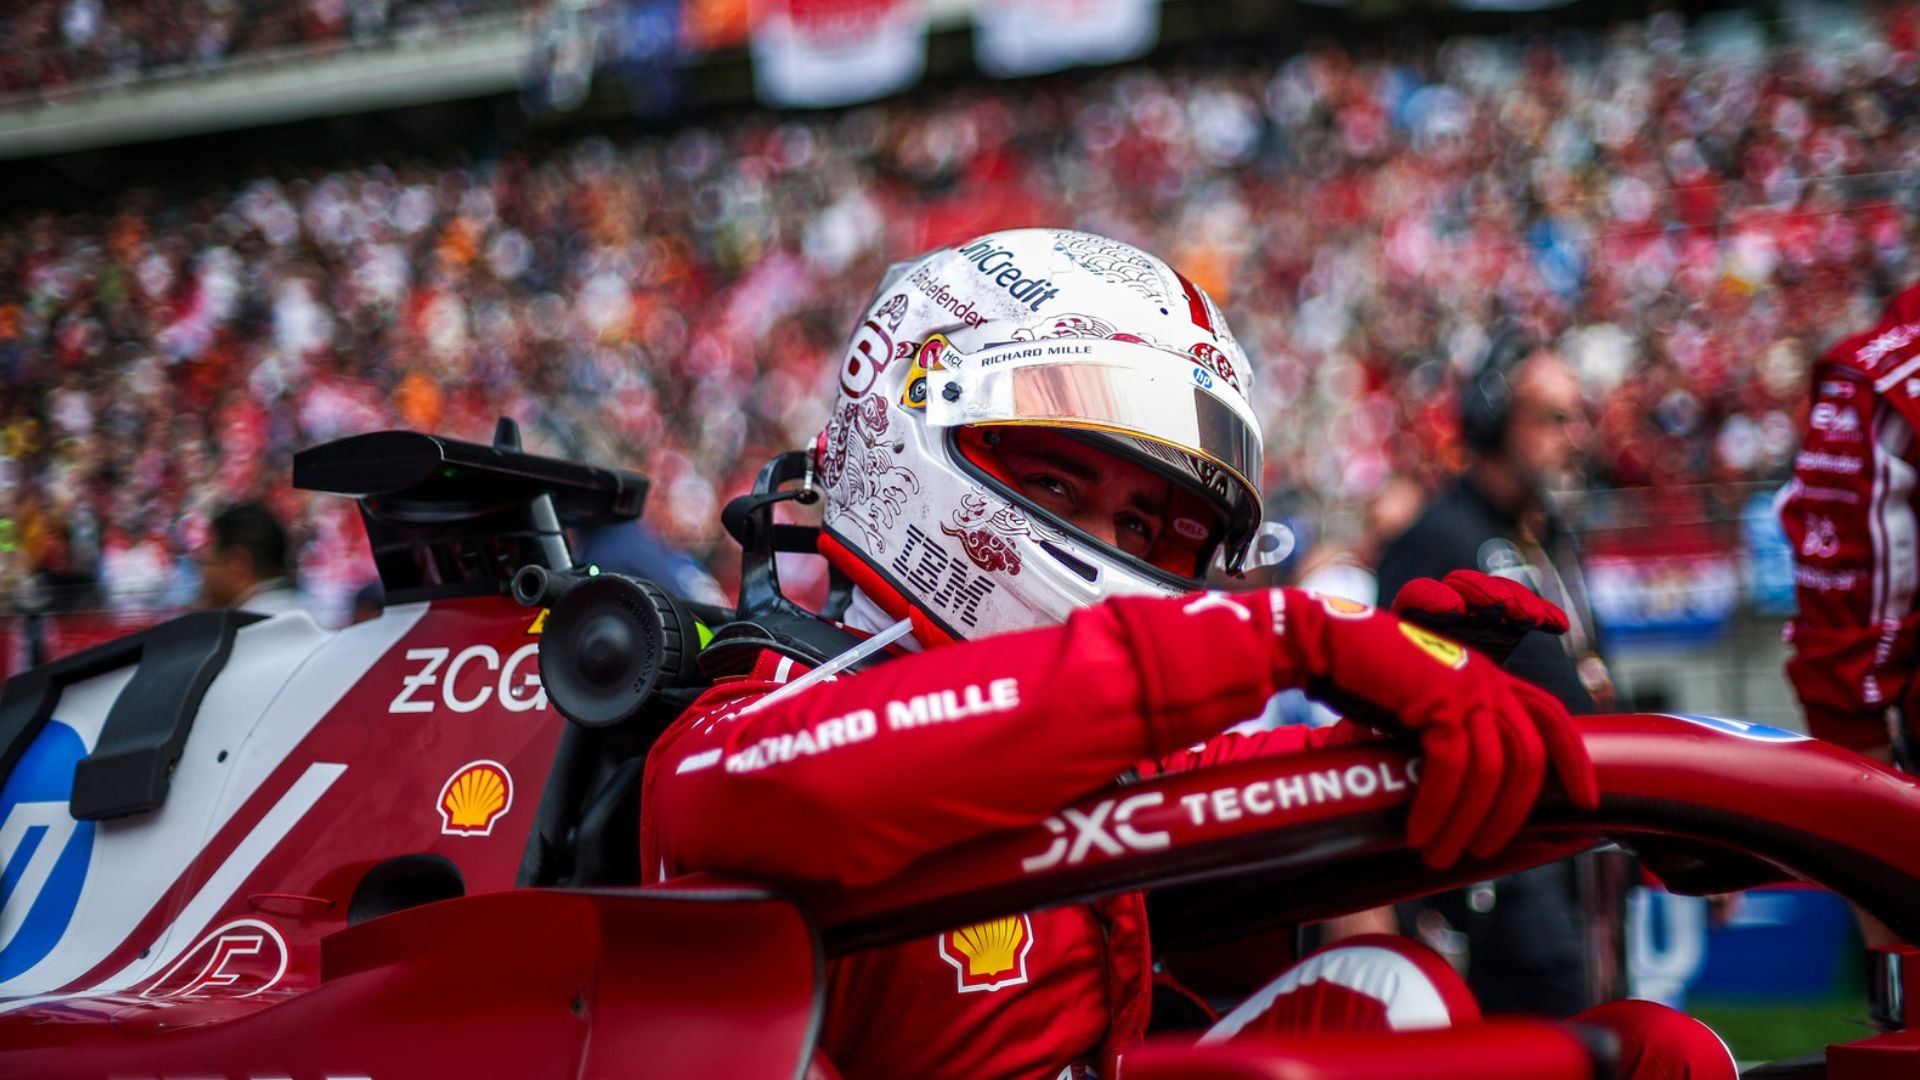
point(451, 518)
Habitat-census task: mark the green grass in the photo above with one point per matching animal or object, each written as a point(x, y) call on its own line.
point(1767, 1032)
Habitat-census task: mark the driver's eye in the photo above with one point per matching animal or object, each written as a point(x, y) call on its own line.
point(1135, 534)
point(1050, 488)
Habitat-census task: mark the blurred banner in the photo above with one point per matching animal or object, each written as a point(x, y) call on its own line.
point(1670, 596)
point(815, 54)
point(559, 70)
point(711, 25)
point(650, 54)
point(1012, 38)
point(1769, 557)
point(1667, 565)
point(1790, 943)
point(640, 45)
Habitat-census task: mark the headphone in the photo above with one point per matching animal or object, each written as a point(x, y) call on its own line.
point(1487, 398)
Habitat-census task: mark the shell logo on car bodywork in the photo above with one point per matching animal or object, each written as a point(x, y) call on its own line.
point(989, 955)
point(478, 794)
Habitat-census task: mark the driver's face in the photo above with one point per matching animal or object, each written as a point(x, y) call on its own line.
point(1107, 497)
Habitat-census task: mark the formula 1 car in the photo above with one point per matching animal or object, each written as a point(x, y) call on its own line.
point(244, 847)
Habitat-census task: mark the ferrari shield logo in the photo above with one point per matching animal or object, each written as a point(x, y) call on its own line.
point(989, 955)
point(1447, 652)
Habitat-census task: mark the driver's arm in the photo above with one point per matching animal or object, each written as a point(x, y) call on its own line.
point(851, 780)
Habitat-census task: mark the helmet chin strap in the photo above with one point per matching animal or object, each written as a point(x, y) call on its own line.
point(879, 641)
point(868, 617)
point(868, 584)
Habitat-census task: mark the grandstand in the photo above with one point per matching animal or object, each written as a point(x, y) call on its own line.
point(1689, 212)
point(79, 74)
point(235, 228)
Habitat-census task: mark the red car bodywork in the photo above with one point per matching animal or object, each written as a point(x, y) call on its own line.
point(712, 978)
point(383, 853)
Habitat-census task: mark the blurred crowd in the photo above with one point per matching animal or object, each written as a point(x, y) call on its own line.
point(49, 45)
point(1689, 222)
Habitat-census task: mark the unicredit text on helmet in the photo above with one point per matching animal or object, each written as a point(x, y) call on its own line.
point(997, 262)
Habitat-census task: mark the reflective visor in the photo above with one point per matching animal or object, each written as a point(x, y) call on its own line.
point(1114, 387)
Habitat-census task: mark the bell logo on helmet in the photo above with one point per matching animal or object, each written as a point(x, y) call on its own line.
point(997, 263)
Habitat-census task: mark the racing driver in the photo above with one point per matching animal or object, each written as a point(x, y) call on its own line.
point(1041, 444)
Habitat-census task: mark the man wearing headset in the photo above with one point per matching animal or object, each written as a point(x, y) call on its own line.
point(1521, 418)
point(1523, 422)
point(1042, 443)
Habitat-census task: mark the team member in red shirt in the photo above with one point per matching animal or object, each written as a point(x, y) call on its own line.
point(1041, 445)
point(1850, 515)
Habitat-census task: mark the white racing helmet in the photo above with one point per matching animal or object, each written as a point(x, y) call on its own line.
point(1090, 337)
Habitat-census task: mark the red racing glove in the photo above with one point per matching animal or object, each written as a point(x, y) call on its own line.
point(1486, 737)
point(1478, 610)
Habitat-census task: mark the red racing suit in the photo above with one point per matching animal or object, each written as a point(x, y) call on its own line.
point(852, 779)
point(1850, 515)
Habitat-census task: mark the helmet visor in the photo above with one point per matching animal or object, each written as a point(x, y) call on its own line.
point(1118, 388)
